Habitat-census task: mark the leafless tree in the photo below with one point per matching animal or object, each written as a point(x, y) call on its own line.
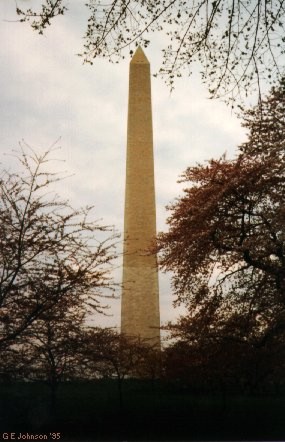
point(48, 250)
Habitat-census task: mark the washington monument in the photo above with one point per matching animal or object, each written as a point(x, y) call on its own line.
point(140, 296)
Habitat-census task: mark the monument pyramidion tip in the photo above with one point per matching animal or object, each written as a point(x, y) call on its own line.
point(139, 56)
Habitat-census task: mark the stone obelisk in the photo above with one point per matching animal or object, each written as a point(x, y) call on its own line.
point(140, 295)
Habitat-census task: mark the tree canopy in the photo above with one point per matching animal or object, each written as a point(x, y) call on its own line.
point(237, 44)
point(225, 244)
point(225, 247)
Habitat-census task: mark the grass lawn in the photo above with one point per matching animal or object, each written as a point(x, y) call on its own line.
point(92, 411)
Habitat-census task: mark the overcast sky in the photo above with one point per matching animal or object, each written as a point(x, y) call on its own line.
point(47, 93)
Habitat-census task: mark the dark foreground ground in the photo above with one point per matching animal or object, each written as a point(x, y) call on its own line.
point(92, 412)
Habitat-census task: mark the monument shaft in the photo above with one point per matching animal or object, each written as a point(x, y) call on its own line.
point(140, 296)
